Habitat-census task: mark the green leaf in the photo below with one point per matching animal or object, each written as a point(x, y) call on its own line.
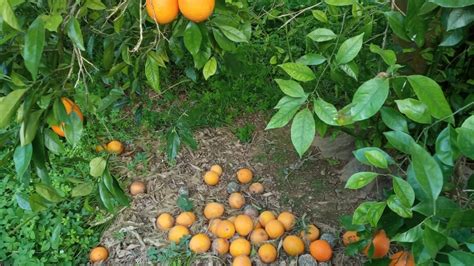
point(376, 158)
point(95, 5)
point(452, 38)
point(233, 34)
point(404, 191)
point(52, 22)
point(192, 38)
point(9, 105)
point(34, 45)
point(360, 155)
point(395, 204)
point(393, 119)
point(97, 166)
point(322, 35)
point(325, 111)
point(29, 126)
point(52, 142)
point(446, 146)
point(400, 141)
point(298, 71)
point(22, 159)
point(351, 69)
point(184, 203)
point(415, 110)
point(452, 3)
point(222, 41)
point(291, 88)
point(22, 202)
point(290, 102)
point(283, 116)
point(75, 34)
point(37, 203)
point(311, 59)
point(410, 236)
point(465, 141)
point(361, 179)
point(56, 236)
point(82, 190)
point(210, 68)
point(73, 129)
point(105, 197)
point(173, 143)
point(427, 172)
point(460, 258)
point(349, 49)
point(303, 130)
point(7, 14)
point(430, 93)
point(369, 98)
point(48, 192)
point(459, 18)
point(396, 21)
point(339, 2)
point(368, 212)
point(388, 56)
point(433, 241)
point(152, 73)
point(320, 16)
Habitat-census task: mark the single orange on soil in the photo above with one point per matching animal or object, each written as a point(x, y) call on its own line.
point(242, 260)
point(211, 178)
point(287, 219)
point(240, 246)
point(98, 254)
point(225, 229)
point(256, 188)
point(162, 11)
point(137, 187)
point(244, 175)
point(310, 233)
point(320, 250)
point(236, 200)
point(176, 233)
point(220, 246)
point(115, 147)
point(267, 253)
point(350, 237)
point(213, 225)
point(274, 229)
point(243, 224)
point(258, 236)
point(217, 168)
point(70, 106)
point(196, 10)
point(199, 243)
point(213, 210)
point(402, 258)
point(164, 221)
point(293, 245)
point(266, 217)
point(381, 245)
point(186, 218)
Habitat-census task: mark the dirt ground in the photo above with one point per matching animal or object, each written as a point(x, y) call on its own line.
point(307, 187)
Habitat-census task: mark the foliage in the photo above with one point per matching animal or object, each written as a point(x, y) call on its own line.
point(173, 254)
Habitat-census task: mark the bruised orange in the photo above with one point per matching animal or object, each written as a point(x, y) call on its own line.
point(186, 218)
point(213, 225)
point(220, 246)
point(266, 217)
point(402, 258)
point(164, 221)
point(217, 168)
point(196, 10)
point(350, 237)
point(225, 229)
point(381, 244)
point(258, 236)
point(267, 253)
point(98, 254)
point(162, 11)
point(200, 243)
point(256, 188)
point(70, 107)
point(320, 250)
point(236, 200)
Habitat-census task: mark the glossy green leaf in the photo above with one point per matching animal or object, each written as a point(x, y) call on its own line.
point(233, 34)
point(48, 192)
point(52, 142)
point(465, 141)
point(339, 2)
point(368, 212)
point(325, 111)
point(404, 191)
point(173, 144)
point(97, 166)
point(95, 5)
point(192, 38)
point(415, 110)
point(9, 105)
point(29, 127)
point(395, 204)
point(452, 38)
point(427, 172)
point(459, 18)
point(34, 45)
point(303, 130)
point(291, 88)
point(397, 24)
point(349, 49)
point(210, 68)
point(351, 69)
point(22, 158)
point(298, 71)
point(283, 116)
point(360, 155)
point(82, 190)
point(361, 179)
point(460, 258)
point(376, 158)
point(433, 241)
point(56, 236)
point(311, 59)
point(73, 129)
point(320, 16)
point(105, 197)
point(222, 41)
point(7, 14)
point(388, 56)
point(322, 35)
point(369, 98)
point(289, 102)
point(52, 22)
point(410, 236)
point(152, 74)
point(393, 119)
point(400, 141)
point(446, 146)
point(452, 3)
point(75, 34)
point(37, 203)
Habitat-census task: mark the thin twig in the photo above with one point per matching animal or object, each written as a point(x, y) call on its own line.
point(140, 39)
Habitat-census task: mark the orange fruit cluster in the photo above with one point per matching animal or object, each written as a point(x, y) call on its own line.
point(113, 147)
point(166, 11)
point(70, 107)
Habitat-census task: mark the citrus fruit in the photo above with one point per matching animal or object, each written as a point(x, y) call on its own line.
point(310, 233)
point(258, 225)
point(115, 147)
point(274, 229)
point(211, 178)
point(320, 250)
point(162, 11)
point(244, 175)
point(225, 229)
point(402, 258)
point(242, 260)
point(177, 232)
point(232, 218)
point(236, 200)
point(137, 187)
point(200, 243)
point(164, 221)
point(98, 254)
point(350, 237)
point(186, 219)
point(266, 217)
point(293, 245)
point(243, 224)
point(256, 188)
point(267, 253)
point(213, 210)
point(258, 236)
point(69, 106)
point(240, 246)
point(100, 148)
point(381, 245)
point(220, 246)
point(213, 225)
point(287, 219)
point(196, 10)
point(217, 168)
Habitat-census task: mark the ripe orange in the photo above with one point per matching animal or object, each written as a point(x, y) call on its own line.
point(402, 258)
point(243, 224)
point(310, 233)
point(244, 175)
point(100, 148)
point(240, 246)
point(213, 210)
point(267, 253)
point(137, 187)
point(350, 237)
point(242, 260)
point(266, 217)
point(225, 229)
point(196, 10)
point(258, 225)
point(320, 250)
point(211, 178)
point(287, 219)
point(186, 218)
point(162, 11)
point(236, 200)
point(274, 229)
point(115, 147)
point(200, 243)
point(98, 254)
point(213, 225)
point(176, 233)
point(164, 221)
point(381, 245)
point(293, 245)
point(256, 188)
point(258, 236)
point(70, 106)
point(220, 246)
point(217, 168)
